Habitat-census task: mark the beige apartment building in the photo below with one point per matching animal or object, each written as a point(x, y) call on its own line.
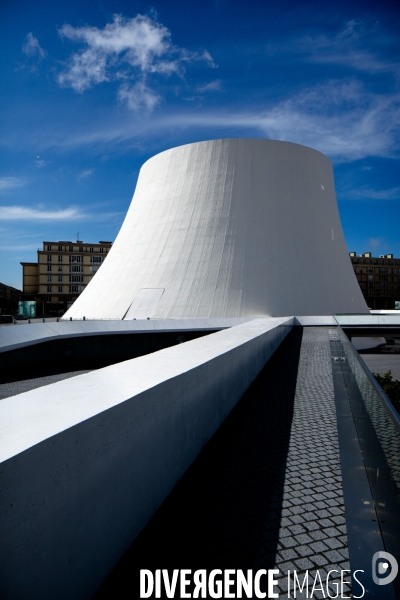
point(62, 272)
point(378, 278)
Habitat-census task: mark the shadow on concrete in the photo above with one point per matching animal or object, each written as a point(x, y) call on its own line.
point(226, 509)
point(86, 353)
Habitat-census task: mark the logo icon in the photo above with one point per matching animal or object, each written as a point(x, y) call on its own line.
point(384, 563)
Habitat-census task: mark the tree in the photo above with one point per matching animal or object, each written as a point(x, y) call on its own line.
point(391, 387)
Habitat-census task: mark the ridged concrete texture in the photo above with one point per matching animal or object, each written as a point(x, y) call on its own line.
point(228, 228)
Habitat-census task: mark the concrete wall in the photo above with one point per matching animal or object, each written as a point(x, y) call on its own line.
point(86, 462)
point(25, 334)
point(229, 228)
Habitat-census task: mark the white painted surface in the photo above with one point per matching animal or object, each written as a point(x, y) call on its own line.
point(145, 303)
point(230, 228)
point(17, 336)
point(85, 462)
point(312, 321)
point(368, 320)
point(385, 312)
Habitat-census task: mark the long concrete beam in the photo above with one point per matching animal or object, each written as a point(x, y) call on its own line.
point(87, 461)
point(26, 334)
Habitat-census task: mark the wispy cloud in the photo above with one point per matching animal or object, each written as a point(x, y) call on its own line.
point(126, 49)
point(72, 213)
point(13, 247)
point(24, 213)
point(360, 45)
point(212, 86)
point(138, 96)
point(373, 194)
point(9, 183)
point(340, 118)
point(85, 174)
point(32, 47)
point(377, 242)
point(40, 163)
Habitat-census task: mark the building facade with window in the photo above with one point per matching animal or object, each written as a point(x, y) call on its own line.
point(378, 278)
point(62, 272)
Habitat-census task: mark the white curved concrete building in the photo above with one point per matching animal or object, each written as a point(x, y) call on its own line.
point(228, 228)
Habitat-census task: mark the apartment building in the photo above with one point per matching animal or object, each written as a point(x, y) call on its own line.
point(378, 278)
point(62, 272)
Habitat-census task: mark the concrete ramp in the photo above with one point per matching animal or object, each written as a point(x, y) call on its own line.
point(87, 461)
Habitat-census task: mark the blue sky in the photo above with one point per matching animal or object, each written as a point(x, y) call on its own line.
point(90, 90)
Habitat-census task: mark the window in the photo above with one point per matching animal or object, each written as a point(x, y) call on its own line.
point(383, 270)
point(48, 248)
point(75, 289)
point(96, 259)
point(91, 249)
point(370, 277)
point(48, 298)
point(80, 248)
point(93, 270)
point(60, 267)
point(60, 258)
point(383, 277)
point(76, 278)
point(383, 284)
point(60, 278)
point(49, 258)
point(71, 249)
point(76, 268)
point(101, 250)
point(49, 278)
point(370, 270)
point(49, 267)
point(49, 288)
point(60, 289)
point(60, 248)
point(75, 259)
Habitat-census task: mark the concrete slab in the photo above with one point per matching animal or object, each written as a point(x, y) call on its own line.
point(87, 461)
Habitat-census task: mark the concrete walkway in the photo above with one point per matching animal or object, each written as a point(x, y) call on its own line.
point(266, 490)
point(18, 387)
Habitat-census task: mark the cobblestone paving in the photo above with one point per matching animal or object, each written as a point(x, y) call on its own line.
point(312, 534)
point(17, 387)
point(266, 490)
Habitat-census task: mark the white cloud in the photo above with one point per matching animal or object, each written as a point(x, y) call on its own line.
point(40, 162)
point(9, 183)
point(341, 119)
point(73, 213)
point(359, 45)
point(24, 213)
point(212, 86)
point(138, 96)
point(125, 49)
point(378, 242)
point(32, 47)
point(84, 174)
point(12, 248)
point(373, 194)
